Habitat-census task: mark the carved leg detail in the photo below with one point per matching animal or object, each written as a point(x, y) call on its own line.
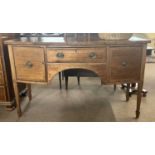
point(19, 112)
point(140, 85)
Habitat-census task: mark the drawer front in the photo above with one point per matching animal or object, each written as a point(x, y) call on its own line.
point(1, 78)
point(125, 63)
point(29, 63)
point(2, 94)
point(83, 55)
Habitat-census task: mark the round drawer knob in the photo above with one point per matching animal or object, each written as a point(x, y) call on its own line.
point(60, 55)
point(92, 55)
point(29, 64)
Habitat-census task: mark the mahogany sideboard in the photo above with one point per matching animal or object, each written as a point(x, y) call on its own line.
point(38, 60)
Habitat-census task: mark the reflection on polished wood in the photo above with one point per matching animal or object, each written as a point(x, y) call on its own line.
point(39, 60)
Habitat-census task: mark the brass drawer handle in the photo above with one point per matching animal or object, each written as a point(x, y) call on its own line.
point(124, 63)
point(28, 64)
point(60, 55)
point(92, 55)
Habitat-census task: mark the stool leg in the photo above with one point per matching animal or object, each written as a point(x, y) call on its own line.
point(127, 91)
point(62, 75)
point(78, 78)
point(114, 87)
point(60, 80)
point(66, 82)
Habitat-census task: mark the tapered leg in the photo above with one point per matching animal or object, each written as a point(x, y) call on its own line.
point(29, 91)
point(127, 91)
point(66, 82)
point(60, 80)
point(140, 85)
point(78, 78)
point(19, 112)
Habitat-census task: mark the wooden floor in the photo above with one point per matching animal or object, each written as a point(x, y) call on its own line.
point(90, 102)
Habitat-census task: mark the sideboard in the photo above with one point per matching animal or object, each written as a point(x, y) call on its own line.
point(38, 60)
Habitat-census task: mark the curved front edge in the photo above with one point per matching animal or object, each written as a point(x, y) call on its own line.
point(97, 68)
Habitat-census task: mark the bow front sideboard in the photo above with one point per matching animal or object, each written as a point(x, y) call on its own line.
point(115, 62)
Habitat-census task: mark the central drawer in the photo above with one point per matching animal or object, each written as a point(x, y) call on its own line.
point(29, 63)
point(80, 55)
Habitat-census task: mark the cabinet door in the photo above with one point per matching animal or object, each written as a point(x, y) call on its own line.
point(125, 63)
point(29, 63)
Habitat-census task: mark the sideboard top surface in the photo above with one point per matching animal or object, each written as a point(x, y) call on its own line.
point(71, 42)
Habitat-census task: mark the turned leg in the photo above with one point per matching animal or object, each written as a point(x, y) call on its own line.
point(60, 80)
point(127, 91)
point(78, 78)
point(29, 91)
point(16, 90)
point(66, 82)
point(140, 85)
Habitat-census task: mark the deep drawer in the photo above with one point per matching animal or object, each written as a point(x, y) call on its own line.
point(29, 63)
point(125, 63)
point(83, 55)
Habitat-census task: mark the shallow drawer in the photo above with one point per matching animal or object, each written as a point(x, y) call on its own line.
point(84, 55)
point(125, 63)
point(99, 69)
point(1, 78)
point(2, 94)
point(29, 63)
